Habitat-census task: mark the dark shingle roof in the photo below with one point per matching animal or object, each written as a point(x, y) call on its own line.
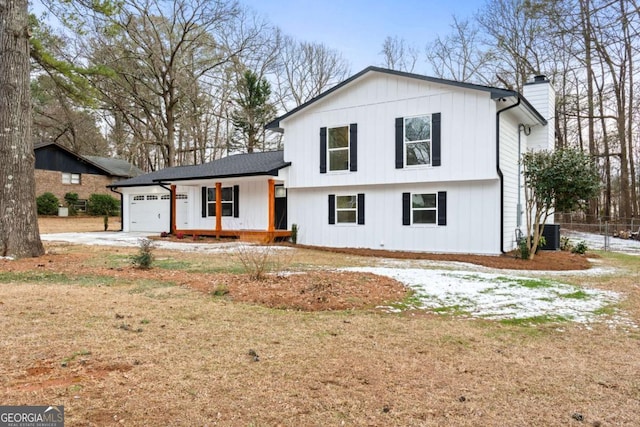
point(112, 166)
point(267, 163)
point(117, 167)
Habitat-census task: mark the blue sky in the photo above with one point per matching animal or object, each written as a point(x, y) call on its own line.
point(357, 28)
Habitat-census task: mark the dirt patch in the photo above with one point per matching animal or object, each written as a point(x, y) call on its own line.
point(544, 260)
point(308, 291)
point(47, 375)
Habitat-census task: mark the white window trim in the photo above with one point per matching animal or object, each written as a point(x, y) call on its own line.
point(70, 178)
point(355, 222)
point(404, 144)
point(347, 148)
point(435, 208)
point(222, 202)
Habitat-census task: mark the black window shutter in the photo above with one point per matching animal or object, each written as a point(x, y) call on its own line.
point(361, 208)
point(353, 147)
point(236, 201)
point(406, 208)
point(399, 143)
point(332, 208)
point(435, 139)
point(204, 202)
point(323, 150)
point(442, 208)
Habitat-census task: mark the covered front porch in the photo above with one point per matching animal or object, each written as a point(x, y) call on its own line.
point(263, 216)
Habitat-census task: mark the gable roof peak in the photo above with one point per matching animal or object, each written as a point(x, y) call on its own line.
point(495, 92)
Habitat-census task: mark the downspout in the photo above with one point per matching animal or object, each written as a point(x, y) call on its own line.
point(527, 131)
point(121, 208)
point(500, 175)
point(171, 213)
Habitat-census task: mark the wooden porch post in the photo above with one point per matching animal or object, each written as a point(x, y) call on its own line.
point(218, 208)
point(173, 209)
point(272, 205)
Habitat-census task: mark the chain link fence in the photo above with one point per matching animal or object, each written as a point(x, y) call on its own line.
point(608, 235)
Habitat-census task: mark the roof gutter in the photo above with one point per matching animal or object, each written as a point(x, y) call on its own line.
point(272, 172)
point(500, 175)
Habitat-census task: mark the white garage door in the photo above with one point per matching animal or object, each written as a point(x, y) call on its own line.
point(149, 212)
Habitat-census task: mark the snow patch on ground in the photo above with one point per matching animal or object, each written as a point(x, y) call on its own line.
point(499, 296)
point(133, 240)
point(597, 242)
point(450, 287)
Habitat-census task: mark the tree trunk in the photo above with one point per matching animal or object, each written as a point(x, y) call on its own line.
point(592, 211)
point(19, 236)
point(631, 107)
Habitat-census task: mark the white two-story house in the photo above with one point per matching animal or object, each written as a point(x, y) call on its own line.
point(384, 160)
point(398, 161)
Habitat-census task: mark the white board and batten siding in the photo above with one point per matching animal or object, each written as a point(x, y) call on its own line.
point(472, 210)
point(252, 206)
point(467, 132)
point(148, 208)
point(467, 172)
point(509, 165)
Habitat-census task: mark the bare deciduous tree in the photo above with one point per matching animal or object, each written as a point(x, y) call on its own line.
point(461, 56)
point(305, 71)
point(399, 55)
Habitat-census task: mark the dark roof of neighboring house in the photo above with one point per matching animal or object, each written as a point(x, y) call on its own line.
point(496, 93)
point(117, 167)
point(253, 164)
point(112, 166)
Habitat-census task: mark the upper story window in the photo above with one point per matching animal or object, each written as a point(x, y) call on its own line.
point(417, 140)
point(70, 178)
point(339, 148)
point(338, 145)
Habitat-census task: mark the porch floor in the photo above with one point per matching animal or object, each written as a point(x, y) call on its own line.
point(263, 236)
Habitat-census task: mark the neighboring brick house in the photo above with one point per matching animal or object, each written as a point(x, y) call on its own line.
point(60, 171)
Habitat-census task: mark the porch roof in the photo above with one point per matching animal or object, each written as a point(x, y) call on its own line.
point(239, 165)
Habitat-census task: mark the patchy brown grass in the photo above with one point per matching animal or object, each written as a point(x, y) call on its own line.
point(119, 346)
point(80, 223)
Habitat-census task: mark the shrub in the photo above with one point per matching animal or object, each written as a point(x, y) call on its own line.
point(144, 258)
point(103, 204)
point(180, 236)
point(164, 234)
point(220, 290)
point(71, 199)
point(565, 244)
point(523, 249)
point(580, 248)
point(294, 233)
point(47, 204)
point(256, 260)
point(260, 259)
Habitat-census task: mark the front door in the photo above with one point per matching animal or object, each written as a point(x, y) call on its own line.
point(280, 207)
